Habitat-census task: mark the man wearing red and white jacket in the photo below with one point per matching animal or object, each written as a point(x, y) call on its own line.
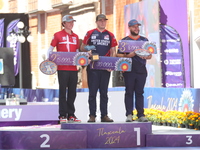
point(66, 41)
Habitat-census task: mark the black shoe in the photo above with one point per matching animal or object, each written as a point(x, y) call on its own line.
point(106, 119)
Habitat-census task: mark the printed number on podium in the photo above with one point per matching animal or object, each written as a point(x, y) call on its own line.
point(44, 144)
point(137, 130)
point(189, 138)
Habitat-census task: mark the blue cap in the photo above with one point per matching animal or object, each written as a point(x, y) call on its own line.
point(133, 22)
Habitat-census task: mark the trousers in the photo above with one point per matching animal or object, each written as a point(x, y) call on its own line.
point(67, 83)
point(98, 80)
point(134, 89)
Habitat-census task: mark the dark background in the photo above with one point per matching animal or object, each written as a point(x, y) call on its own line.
point(26, 63)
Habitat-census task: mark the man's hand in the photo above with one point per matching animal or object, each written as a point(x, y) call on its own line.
point(89, 53)
point(146, 57)
point(109, 70)
point(131, 54)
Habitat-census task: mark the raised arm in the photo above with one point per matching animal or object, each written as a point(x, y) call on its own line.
point(82, 47)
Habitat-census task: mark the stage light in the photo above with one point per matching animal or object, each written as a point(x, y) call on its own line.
point(9, 38)
point(20, 25)
point(21, 39)
point(21, 36)
point(30, 38)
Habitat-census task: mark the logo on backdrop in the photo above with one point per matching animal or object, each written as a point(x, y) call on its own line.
point(171, 73)
point(186, 102)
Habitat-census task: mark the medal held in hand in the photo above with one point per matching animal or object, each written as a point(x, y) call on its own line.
point(146, 50)
point(48, 67)
point(92, 48)
point(95, 56)
point(142, 52)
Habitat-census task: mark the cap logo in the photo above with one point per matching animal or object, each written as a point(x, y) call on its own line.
point(70, 17)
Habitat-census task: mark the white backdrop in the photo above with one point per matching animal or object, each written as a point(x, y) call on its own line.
point(116, 107)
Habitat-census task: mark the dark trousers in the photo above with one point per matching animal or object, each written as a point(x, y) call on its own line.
point(67, 79)
point(98, 80)
point(134, 84)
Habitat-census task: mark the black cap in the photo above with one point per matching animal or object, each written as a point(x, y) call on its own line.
point(101, 16)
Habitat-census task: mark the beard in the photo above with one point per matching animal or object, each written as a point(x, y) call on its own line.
point(133, 33)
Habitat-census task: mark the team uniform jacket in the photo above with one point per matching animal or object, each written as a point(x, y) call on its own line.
point(103, 41)
point(138, 64)
point(65, 42)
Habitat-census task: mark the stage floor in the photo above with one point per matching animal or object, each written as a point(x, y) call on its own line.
point(172, 130)
point(155, 130)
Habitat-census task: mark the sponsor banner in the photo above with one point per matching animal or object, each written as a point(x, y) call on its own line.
point(168, 11)
point(113, 63)
point(22, 113)
point(172, 58)
point(165, 99)
point(69, 58)
point(128, 46)
point(1, 32)
point(51, 95)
